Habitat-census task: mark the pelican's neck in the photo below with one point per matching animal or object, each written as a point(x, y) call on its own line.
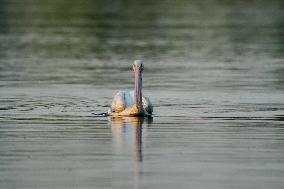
point(138, 90)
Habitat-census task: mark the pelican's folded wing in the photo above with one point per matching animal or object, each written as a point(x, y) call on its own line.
point(118, 102)
point(147, 104)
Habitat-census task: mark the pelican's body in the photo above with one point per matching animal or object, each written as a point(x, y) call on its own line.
point(132, 103)
point(123, 104)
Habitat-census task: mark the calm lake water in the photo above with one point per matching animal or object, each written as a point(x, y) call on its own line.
point(213, 69)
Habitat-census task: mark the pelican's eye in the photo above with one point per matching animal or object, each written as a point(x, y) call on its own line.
point(133, 67)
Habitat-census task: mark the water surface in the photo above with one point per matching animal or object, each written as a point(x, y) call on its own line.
point(213, 69)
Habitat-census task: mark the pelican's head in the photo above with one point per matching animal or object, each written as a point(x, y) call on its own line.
point(138, 66)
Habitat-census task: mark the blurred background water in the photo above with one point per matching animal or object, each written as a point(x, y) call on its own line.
point(213, 69)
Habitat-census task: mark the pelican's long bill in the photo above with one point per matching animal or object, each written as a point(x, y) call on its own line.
point(138, 69)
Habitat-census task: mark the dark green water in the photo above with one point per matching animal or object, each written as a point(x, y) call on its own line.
point(213, 69)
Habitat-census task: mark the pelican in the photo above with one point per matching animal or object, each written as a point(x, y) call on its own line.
point(132, 103)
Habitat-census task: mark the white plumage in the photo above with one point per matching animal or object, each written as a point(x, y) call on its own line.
point(123, 103)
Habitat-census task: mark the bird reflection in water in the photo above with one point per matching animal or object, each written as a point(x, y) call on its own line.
point(127, 135)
